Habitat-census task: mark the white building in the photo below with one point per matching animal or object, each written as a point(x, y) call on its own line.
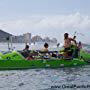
point(27, 38)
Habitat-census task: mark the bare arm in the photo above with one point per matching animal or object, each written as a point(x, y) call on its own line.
point(72, 40)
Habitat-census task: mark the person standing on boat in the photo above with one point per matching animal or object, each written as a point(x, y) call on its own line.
point(74, 42)
point(67, 45)
point(79, 47)
point(74, 48)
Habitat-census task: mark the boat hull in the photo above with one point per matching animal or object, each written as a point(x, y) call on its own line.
point(30, 64)
point(15, 61)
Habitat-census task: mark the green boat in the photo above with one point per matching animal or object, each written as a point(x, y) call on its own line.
point(14, 61)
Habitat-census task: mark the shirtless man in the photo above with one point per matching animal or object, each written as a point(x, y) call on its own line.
point(67, 45)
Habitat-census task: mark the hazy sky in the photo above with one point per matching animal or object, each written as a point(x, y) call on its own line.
point(46, 17)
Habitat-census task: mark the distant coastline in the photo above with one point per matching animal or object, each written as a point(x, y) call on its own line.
point(25, 38)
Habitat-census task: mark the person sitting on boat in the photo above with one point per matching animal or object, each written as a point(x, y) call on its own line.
point(26, 48)
point(26, 51)
point(45, 49)
point(46, 53)
point(67, 45)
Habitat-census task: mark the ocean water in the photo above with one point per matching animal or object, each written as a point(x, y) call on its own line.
point(21, 46)
point(77, 78)
point(45, 79)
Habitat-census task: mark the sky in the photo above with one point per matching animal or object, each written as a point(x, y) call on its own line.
point(46, 18)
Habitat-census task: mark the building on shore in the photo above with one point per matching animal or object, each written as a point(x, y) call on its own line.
point(18, 39)
point(27, 38)
point(54, 40)
point(37, 39)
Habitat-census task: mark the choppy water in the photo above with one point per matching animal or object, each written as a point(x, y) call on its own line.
point(45, 79)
